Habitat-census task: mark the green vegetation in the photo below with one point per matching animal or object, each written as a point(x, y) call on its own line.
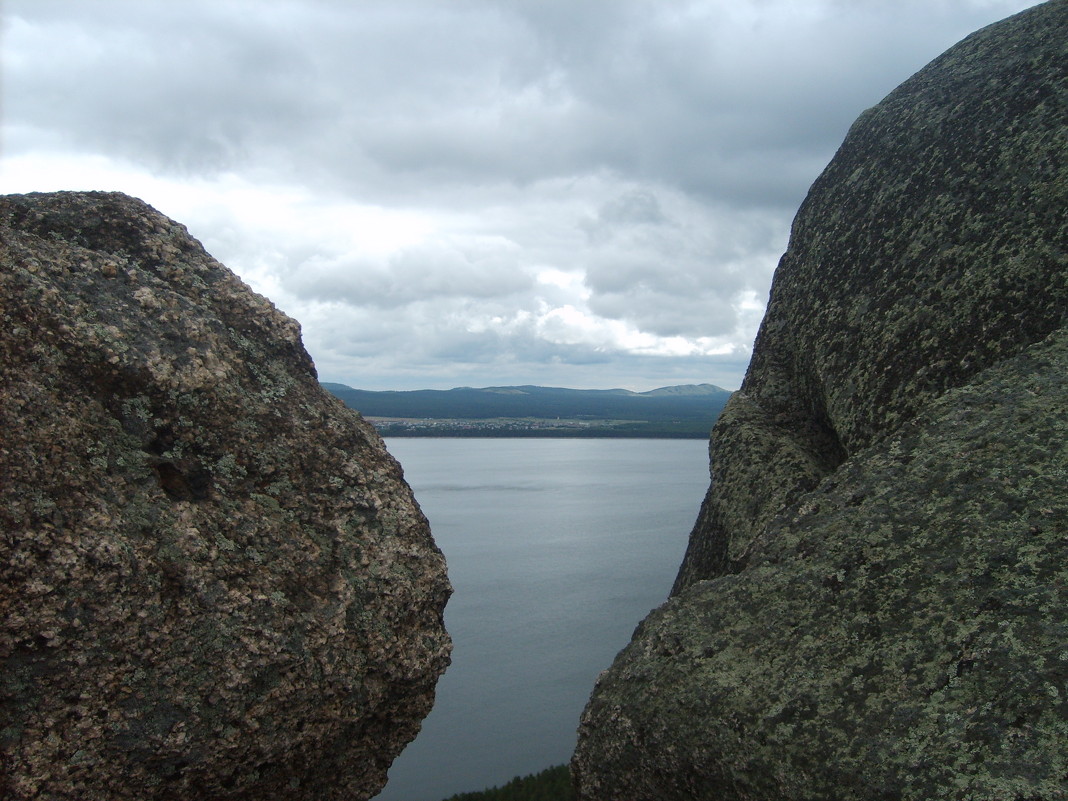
point(551, 784)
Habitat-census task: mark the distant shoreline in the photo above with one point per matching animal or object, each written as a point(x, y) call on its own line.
point(679, 412)
point(540, 428)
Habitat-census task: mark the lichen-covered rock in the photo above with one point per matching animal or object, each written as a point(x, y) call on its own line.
point(214, 581)
point(931, 247)
point(899, 635)
point(874, 603)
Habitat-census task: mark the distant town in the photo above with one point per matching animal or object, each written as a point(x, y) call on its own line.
point(512, 427)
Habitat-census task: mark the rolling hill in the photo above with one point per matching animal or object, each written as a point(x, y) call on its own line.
point(700, 402)
point(673, 411)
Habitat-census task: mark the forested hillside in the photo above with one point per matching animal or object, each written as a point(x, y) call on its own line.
point(695, 403)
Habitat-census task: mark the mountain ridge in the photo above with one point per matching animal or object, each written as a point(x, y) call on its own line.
point(673, 389)
point(689, 402)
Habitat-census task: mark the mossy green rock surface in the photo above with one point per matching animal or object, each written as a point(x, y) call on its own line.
point(874, 603)
point(214, 581)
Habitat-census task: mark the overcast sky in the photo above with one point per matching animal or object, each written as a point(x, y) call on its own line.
point(581, 193)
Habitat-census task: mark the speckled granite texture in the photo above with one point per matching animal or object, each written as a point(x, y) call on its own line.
point(215, 582)
point(874, 602)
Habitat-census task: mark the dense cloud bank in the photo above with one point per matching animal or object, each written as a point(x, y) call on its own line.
point(590, 194)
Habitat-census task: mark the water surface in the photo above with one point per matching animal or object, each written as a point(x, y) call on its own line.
point(557, 548)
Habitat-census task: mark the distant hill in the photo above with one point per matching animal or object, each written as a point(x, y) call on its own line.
point(699, 403)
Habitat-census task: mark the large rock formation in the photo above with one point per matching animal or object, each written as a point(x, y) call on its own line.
point(214, 580)
point(874, 602)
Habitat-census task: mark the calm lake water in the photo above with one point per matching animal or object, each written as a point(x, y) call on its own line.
point(557, 548)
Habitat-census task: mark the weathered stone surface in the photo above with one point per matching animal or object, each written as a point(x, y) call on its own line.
point(215, 582)
point(931, 247)
point(874, 604)
point(899, 634)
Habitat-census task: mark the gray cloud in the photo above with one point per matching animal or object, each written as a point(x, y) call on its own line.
point(431, 270)
point(583, 193)
point(713, 99)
